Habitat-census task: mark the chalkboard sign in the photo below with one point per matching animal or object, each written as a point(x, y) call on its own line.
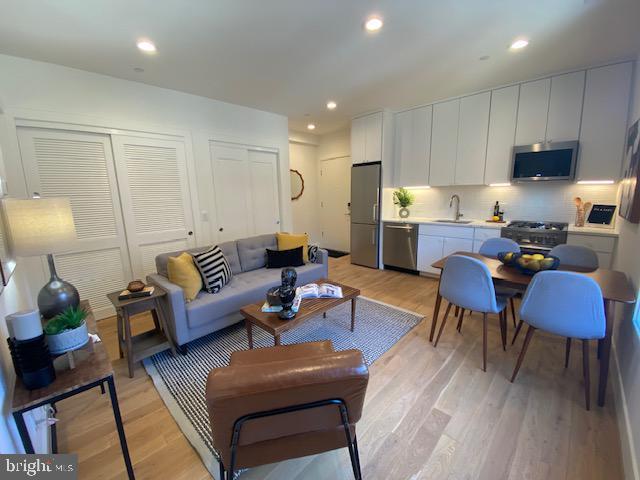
point(601, 214)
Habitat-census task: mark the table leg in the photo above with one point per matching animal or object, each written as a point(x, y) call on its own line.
point(605, 352)
point(154, 315)
point(324, 314)
point(248, 326)
point(120, 335)
point(158, 316)
point(436, 311)
point(127, 341)
point(353, 313)
point(120, 428)
point(24, 433)
point(276, 340)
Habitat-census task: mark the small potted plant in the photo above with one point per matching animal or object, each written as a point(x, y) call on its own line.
point(67, 331)
point(404, 198)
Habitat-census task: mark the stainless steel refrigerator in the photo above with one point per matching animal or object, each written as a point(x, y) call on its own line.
point(365, 213)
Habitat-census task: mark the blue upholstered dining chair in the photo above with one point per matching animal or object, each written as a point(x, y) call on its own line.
point(567, 304)
point(576, 256)
point(466, 282)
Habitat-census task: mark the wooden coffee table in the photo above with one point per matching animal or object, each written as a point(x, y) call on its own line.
point(309, 308)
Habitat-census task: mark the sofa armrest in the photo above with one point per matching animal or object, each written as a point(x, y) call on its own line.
point(322, 256)
point(173, 307)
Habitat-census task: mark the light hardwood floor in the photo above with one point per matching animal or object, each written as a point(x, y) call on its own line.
point(430, 413)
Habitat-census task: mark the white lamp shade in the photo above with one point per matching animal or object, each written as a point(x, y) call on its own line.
point(39, 226)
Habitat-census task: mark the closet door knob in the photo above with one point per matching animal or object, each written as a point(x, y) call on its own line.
point(190, 233)
point(220, 229)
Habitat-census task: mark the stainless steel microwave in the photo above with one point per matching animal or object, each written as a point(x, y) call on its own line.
point(544, 161)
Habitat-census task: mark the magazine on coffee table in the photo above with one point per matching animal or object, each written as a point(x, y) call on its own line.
point(324, 290)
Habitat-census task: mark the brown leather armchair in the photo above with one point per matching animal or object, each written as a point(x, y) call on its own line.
point(275, 404)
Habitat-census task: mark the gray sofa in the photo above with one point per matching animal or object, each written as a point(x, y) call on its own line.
point(251, 280)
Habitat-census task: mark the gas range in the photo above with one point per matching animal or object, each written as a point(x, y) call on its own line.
point(536, 236)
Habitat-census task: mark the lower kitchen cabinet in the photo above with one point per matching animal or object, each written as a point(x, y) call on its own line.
point(429, 251)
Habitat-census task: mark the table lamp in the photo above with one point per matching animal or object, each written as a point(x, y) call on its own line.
point(44, 226)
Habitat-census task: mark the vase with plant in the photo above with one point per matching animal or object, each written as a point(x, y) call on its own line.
point(403, 198)
point(67, 331)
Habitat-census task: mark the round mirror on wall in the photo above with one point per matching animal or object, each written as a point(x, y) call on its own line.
point(297, 184)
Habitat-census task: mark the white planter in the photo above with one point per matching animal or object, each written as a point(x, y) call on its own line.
point(68, 340)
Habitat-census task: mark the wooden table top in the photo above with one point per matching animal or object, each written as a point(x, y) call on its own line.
point(309, 307)
point(92, 364)
point(615, 285)
point(117, 303)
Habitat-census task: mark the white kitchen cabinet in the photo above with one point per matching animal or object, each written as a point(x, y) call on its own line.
point(604, 121)
point(444, 143)
point(533, 107)
point(481, 235)
point(473, 127)
point(366, 138)
point(565, 107)
point(502, 130)
point(430, 250)
point(603, 245)
point(453, 245)
point(412, 147)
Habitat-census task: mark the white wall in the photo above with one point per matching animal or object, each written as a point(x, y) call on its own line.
point(543, 201)
point(627, 335)
point(334, 145)
point(303, 157)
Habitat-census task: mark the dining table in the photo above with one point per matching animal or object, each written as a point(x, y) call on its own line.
point(615, 287)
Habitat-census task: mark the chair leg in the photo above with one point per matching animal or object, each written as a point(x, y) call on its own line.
point(444, 321)
point(525, 346)
point(457, 310)
point(503, 329)
point(222, 473)
point(515, 335)
point(567, 352)
point(585, 372)
point(460, 318)
point(484, 342)
point(357, 455)
point(513, 310)
point(352, 444)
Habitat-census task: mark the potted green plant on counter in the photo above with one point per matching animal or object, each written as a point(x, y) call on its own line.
point(404, 198)
point(67, 331)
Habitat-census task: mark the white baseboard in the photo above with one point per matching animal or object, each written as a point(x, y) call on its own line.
point(629, 460)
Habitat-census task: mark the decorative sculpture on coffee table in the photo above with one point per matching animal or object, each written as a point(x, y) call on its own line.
point(287, 292)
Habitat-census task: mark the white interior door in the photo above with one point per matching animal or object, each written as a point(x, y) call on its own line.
point(335, 195)
point(154, 191)
point(231, 181)
point(80, 166)
point(263, 178)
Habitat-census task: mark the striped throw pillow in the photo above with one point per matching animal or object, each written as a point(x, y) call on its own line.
point(214, 269)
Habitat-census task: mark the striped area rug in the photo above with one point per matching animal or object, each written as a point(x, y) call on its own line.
point(181, 380)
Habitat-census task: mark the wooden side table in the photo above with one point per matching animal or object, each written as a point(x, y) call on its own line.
point(148, 343)
point(93, 369)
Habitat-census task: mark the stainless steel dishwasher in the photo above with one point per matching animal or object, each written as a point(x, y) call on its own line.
point(400, 246)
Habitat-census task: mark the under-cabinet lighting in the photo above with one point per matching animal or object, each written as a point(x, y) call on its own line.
point(417, 187)
point(507, 184)
point(595, 182)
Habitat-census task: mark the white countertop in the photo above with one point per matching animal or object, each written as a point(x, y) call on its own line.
point(607, 232)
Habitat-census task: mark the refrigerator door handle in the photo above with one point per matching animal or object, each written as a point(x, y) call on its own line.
point(375, 212)
point(373, 237)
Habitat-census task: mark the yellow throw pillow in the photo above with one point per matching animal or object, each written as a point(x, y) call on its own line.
point(183, 272)
point(287, 241)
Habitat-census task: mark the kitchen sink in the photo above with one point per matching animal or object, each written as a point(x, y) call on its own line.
point(454, 221)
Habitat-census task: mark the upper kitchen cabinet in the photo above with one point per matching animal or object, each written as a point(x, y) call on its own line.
point(565, 107)
point(473, 126)
point(502, 131)
point(533, 108)
point(412, 147)
point(444, 143)
point(604, 121)
point(366, 138)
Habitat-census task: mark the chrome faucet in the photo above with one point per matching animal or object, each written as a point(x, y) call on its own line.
point(457, 214)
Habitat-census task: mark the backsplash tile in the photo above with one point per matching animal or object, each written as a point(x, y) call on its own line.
point(546, 201)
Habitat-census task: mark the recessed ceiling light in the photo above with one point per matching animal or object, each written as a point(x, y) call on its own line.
point(311, 126)
point(373, 24)
point(484, 57)
point(331, 105)
point(518, 44)
point(146, 46)
point(138, 69)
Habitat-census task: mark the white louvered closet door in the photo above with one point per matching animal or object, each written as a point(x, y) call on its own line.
point(265, 206)
point(80, 166)
point(154, 191)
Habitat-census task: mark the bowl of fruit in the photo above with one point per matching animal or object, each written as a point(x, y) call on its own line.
point(508, 258)
point(537, 262)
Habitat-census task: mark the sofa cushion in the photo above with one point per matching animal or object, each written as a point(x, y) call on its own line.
point(230, 252)
point(253, 251)
point(245, 288)
point(229, 249)
point(214, 269)
point(287, 241)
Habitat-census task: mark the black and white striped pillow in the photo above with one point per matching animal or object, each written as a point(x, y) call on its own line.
point(214, 269)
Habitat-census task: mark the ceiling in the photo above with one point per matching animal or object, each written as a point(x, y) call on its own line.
point(291, 56)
